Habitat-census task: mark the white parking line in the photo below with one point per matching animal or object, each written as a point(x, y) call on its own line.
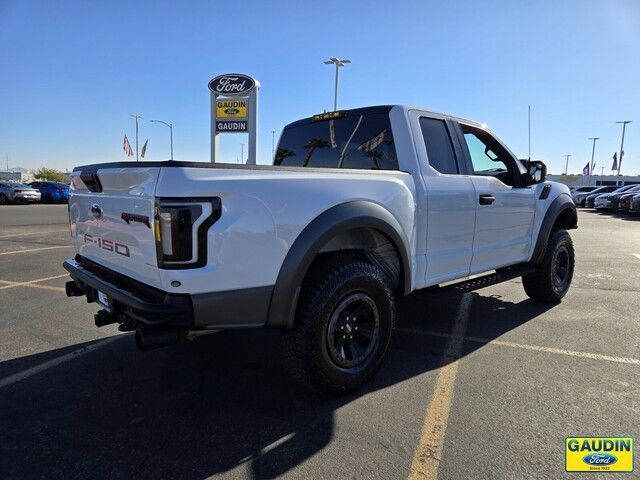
point(32, 283)
point(535, 348)
point(16, 377)
point(36, 249)
point(22, 234)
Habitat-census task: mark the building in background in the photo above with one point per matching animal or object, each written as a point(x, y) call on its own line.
point(17, 174)
point(583, 180)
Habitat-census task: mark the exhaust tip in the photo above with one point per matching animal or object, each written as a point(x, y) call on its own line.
point(103, 318)
point(152, 339)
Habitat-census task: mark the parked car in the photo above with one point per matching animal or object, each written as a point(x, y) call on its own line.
point(52, 192)
point(13, 192)
point(360, 208)
point(635, 204)
point(581, 198)
point(609, 201)
point(625, 200)
point(575, 191)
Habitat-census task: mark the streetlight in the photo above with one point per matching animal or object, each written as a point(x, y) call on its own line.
point(338, 64)
point(136, 116)
point(566, 166)
point(273, 143)
point(170, 125)
point(593, 151)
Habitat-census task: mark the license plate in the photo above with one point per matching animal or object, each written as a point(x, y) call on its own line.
point(104, 301)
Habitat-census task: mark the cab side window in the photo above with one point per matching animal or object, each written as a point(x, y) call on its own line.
point(439, 147)
point(488, 157)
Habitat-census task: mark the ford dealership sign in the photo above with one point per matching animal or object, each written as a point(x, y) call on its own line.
point(232, 84)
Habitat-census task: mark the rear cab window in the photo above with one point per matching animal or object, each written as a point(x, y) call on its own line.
point(357, 139)
point(439, 147)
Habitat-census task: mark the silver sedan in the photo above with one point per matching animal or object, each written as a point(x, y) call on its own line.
point(17, 192)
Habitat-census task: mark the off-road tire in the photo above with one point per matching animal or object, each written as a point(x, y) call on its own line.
point(306, 350)
point(544, 285)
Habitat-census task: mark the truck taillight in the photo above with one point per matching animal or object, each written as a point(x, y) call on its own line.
point(180, 229)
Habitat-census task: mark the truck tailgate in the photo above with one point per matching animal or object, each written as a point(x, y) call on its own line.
point(112, 219)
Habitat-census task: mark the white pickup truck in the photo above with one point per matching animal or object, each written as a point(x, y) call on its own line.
point(359, 208)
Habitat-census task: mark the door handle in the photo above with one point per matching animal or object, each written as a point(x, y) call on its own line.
point(486, 199)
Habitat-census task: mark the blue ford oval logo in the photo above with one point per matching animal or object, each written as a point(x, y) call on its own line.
point(232, 84)
point(599, 459)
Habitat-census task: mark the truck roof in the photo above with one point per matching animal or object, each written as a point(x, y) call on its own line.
point(378, 109)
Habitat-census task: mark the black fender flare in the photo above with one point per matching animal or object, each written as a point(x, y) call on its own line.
point(561, 204)
point(337, 219)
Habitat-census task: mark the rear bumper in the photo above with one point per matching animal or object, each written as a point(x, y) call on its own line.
point(135, 302)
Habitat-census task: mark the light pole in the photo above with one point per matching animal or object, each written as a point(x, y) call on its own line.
point(338, 63)
point(170, 125)
point(624, 126)
point(593, 152)
point(136, 116)
point(242, 153)
point(273, 144)
point(566, 166)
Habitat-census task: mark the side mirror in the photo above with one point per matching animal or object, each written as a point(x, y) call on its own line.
point(536, 172)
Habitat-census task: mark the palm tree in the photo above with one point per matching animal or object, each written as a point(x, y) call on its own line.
point(311, 146)
point(283, 153)
point(375, 155)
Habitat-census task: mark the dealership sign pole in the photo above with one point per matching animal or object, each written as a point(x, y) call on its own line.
point(234, 109)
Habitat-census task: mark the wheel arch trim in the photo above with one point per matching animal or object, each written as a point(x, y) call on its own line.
point(337, 219)
point(559, 206)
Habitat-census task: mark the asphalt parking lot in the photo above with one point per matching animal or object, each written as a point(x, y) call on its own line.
point(485, 385)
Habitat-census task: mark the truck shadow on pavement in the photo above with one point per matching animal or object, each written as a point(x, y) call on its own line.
point(209, 406)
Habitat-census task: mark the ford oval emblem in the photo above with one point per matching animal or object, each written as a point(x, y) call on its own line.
point(232, 84)
point(96, 210)
point(599, 459)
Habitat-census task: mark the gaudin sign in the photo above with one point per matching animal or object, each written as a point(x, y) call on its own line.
point(234, 109)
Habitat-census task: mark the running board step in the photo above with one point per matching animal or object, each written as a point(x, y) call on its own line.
point(499, 276)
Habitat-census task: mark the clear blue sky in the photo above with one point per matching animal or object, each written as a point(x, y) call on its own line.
point(71, 72)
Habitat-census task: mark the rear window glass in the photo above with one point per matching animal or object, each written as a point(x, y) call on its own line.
point(355, 141)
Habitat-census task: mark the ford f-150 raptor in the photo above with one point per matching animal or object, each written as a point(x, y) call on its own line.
point(359, 208)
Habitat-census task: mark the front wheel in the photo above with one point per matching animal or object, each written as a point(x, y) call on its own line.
point(342, 326)
point(552, 278)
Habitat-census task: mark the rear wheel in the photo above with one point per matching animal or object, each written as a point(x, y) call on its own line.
point(342, 326)
point(551, 280)
point(3, 199)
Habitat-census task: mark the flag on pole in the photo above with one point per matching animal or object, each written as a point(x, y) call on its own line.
point(373, 143)
point(144, 148)
point(585, 170)
point(127, 147)
point(615, 162)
